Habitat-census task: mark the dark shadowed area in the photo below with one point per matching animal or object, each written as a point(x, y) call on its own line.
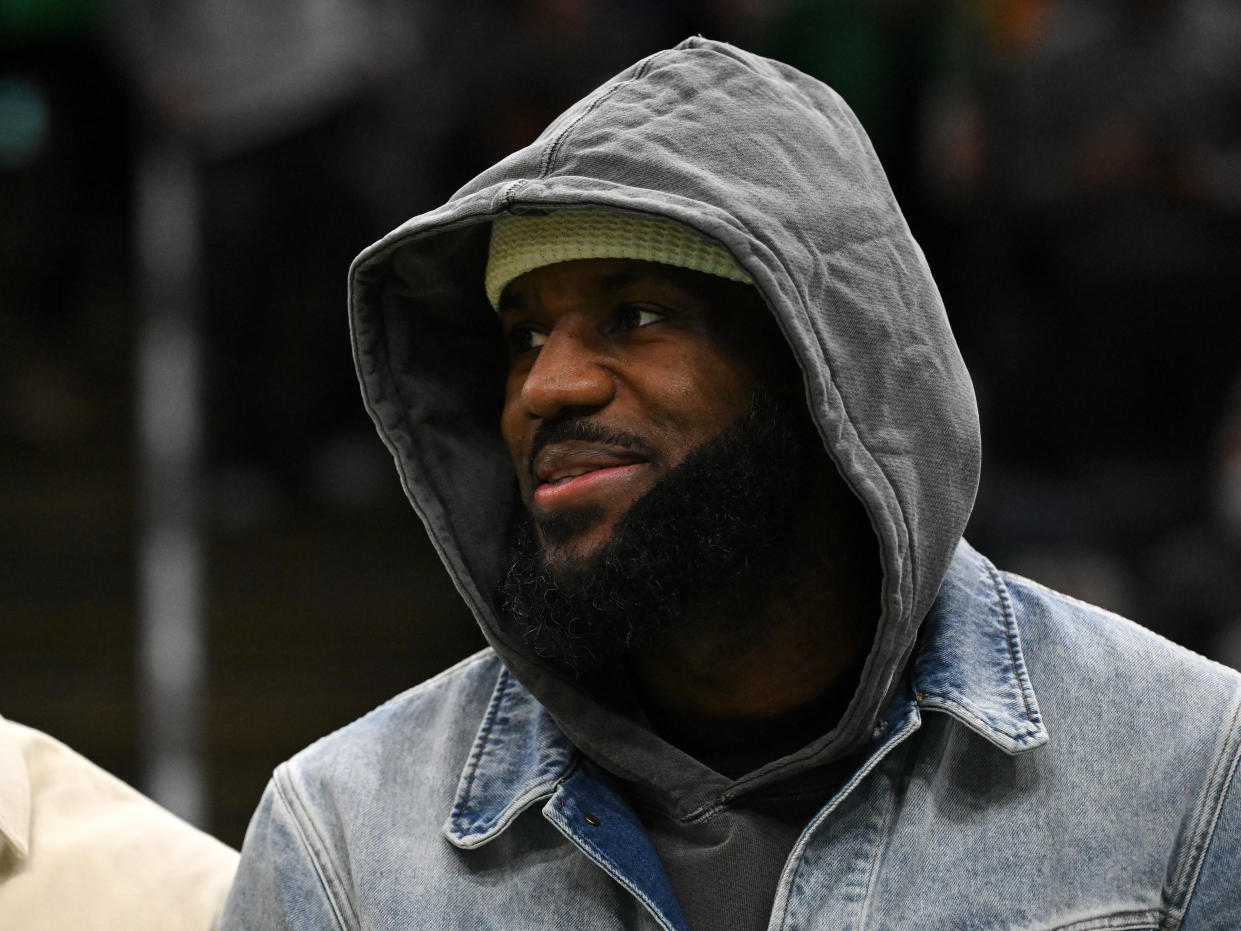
point(207, 559)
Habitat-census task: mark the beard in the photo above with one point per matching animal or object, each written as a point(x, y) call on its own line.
point(717, 526)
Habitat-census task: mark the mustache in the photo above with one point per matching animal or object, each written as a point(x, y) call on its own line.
point(585, 431)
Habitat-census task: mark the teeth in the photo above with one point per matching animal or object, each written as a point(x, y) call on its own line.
point(561, 479)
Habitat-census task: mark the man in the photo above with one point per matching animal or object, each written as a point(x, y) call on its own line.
point(703, 486)
point(80, 849)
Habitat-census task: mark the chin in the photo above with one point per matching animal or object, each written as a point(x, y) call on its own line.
point(568, 555)
point(572, 556)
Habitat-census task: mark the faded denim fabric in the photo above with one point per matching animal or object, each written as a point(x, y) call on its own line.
point(1045, 765)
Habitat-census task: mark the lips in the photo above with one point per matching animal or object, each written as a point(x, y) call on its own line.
point(561, 462)
point(578, 473)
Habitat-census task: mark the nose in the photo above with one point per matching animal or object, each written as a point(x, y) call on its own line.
point(570, 372)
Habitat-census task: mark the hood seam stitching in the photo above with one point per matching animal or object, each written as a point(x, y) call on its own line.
point(553, 148)
point(831, 383)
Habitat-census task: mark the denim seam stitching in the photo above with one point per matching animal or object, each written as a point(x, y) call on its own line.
point(1134, 921)
point(803, 842)
point(1010, 635)
point(1223, 774)
point(288, 796)
point(885, 842)
point(611, 867)
point(503, 685)
point(985, 728)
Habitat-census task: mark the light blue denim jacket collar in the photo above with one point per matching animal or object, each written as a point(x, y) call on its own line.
point(969, 664)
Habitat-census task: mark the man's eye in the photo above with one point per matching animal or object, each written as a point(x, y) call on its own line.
point(633, 316)
point(522, 338)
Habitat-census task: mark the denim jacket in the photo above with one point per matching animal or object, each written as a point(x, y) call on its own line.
point(1045, 765)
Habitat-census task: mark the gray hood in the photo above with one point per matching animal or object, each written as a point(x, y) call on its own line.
point(773, 165)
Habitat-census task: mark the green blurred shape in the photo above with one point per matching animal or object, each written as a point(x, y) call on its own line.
point(35, 18)
point(23, 122)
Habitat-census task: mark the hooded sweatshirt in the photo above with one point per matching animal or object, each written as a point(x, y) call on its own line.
point(771, 165)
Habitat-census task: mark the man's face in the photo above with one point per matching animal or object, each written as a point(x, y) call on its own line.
point(618, 369)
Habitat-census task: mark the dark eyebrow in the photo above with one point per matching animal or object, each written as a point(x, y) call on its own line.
point(622, 279)
point(618, 280)
point(510, 301)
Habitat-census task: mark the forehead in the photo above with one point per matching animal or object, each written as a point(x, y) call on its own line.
point(585, 278)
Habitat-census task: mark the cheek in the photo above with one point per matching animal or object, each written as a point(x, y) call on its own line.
point(726, 389)
point(514, 428)
point(708, 396)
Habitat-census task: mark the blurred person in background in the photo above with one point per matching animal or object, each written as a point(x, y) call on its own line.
point(1096, 145)
point(80, 849)
point(1121, 154)
point(1083, 159)
point(703, 486)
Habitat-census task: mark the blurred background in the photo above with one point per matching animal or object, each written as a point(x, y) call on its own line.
point(206, 560)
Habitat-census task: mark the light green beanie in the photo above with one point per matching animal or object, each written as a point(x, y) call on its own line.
point(523, 243)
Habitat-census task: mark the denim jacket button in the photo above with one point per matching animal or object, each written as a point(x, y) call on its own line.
point(590, 819)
